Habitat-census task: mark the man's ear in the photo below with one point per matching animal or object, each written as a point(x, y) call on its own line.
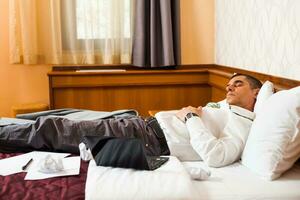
point(256, 91)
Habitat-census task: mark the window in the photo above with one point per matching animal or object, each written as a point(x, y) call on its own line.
point(94, 19)
point(72, 31)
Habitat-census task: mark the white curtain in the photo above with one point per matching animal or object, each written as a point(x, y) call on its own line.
point(71, 31)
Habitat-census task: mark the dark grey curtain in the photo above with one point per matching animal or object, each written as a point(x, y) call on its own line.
point(156, 37)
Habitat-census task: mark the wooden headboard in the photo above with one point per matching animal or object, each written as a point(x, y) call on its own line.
point(144, 90)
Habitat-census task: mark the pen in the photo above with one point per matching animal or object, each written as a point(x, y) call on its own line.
point(27, 164)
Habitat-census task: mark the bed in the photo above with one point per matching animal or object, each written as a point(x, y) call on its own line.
point(171, 181)
point(231, 182)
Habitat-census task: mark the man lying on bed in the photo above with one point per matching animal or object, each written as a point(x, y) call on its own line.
point(217, 132)
point(219, 138)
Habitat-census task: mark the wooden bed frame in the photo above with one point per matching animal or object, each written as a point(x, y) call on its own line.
point(144, 90)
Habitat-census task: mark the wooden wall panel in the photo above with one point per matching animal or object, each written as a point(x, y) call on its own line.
point(217, 94)
point(218, 81)
point(146, 90)
point(279, 82)
point(141, 98)
point(142, 90)
point(77, 79)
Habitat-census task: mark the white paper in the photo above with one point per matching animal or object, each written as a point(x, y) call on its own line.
point(14, 164)
point(71, 167)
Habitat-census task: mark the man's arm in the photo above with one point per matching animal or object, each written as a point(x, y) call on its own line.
point(215, 152)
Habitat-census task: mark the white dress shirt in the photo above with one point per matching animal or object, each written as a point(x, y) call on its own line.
point(218, 137)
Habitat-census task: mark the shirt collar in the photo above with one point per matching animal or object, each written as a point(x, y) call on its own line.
point(242, 112)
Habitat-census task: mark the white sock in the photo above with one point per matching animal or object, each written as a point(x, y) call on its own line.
point(198, 173)
point(85, 153)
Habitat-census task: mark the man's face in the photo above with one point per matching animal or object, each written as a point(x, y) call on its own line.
point(240, 93)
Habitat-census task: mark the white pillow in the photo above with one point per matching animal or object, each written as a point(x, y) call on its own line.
point(273, 144)
point(265, 92)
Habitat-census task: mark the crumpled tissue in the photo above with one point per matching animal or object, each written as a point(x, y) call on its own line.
point(50, 164)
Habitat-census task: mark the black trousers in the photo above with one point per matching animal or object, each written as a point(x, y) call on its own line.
point(63, 135)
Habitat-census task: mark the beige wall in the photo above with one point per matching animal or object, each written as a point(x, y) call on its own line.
point(18, 83)
point(197, 31)
point(261, 36)
point(26, 84)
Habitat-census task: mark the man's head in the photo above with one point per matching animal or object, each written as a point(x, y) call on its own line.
point(242, 91)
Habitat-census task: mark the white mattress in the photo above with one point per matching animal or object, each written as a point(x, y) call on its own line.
point(171, 181)
point(238, 182)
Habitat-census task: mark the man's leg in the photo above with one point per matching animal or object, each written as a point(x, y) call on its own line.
point(48, 134)
point(63, 135)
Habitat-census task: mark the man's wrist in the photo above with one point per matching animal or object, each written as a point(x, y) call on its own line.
point(190, 115)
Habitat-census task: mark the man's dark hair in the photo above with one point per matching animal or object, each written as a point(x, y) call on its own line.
point(254, 82)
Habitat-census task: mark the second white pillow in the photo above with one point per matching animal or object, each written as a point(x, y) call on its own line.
point(273, 144)
point(265, 92)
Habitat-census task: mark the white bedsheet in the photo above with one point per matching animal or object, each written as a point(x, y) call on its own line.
point(171, 181)
point(238, 182)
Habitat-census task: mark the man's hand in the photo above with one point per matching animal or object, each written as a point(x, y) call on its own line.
point(184, 111)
